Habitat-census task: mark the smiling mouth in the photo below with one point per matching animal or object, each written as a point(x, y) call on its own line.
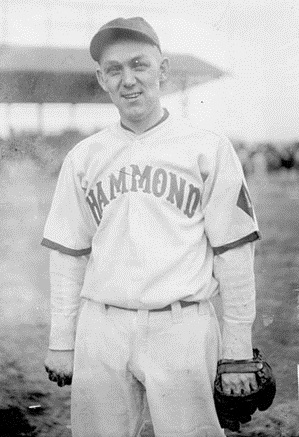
point(131, 96)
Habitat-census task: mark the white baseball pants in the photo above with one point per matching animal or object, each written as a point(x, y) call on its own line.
point(121, 353)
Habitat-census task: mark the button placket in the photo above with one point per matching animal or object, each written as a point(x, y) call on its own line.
point(132, 208)
point(132, 222)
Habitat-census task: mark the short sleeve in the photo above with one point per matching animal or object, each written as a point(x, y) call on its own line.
point(230, 220)
point(68, 227)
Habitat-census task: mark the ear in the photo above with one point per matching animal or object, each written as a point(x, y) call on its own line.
point(164, 70)
point(101, 80)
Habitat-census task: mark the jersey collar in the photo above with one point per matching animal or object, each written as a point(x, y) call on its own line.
point(163, 118)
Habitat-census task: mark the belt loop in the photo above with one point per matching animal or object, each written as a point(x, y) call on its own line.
point(104, 308)
point(142, 317)
point(176, 312)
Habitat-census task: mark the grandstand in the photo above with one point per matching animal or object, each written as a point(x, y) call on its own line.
point(42, 78)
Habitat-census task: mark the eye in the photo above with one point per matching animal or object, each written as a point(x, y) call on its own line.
point(113, 70)
point(139, 65)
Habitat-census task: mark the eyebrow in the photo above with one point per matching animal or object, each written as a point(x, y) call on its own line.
point(112, 62)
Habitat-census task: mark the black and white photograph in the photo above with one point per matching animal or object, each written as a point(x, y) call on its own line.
point(149, 210)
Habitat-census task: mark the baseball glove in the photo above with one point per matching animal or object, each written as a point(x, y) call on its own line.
point(234, 409)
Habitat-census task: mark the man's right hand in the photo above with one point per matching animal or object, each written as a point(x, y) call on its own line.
point(59, 366)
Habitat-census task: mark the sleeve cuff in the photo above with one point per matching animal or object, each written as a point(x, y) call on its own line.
point(63, 332)
point(63, 249)
point(256, 235)
point(237, 340)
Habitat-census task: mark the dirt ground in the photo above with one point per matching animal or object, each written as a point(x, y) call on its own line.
point(30, 405)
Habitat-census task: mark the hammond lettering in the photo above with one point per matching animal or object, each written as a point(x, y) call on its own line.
point(157, 182)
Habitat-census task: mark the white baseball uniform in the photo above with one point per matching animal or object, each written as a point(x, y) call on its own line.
point(151, 211)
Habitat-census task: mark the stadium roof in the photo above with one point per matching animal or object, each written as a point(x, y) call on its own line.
point(54, 74)
point(60, 60)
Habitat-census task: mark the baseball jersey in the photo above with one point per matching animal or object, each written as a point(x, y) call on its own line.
point(152, 210)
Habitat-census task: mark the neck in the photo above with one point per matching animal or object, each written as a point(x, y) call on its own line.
point(140, 126)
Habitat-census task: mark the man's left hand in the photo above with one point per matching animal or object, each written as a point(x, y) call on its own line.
point(238, 383)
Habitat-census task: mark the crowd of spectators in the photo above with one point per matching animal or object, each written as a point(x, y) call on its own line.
point(268, 157)
point(47, 151)
point(262, 158)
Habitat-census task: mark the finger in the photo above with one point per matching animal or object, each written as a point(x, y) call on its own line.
point(233, 387)
point(246, 389)
point(227, 386)
point(60, 381)
point(63, 380)
point(245, 380)
point(68, 379)
point(228, 389)
point(237, 389)
point(52, 376)
point(243, 383)
point(253, 383)
point(250, 382)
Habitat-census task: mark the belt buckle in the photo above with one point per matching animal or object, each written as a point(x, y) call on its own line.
point(168, 307)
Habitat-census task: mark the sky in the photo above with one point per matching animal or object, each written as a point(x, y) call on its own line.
point(256, 42)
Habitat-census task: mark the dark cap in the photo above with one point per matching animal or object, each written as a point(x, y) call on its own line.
point(122, 27)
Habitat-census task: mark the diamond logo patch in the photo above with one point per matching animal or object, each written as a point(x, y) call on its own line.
point(244, 201)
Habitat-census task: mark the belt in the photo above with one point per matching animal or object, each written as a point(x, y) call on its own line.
point(167, 308)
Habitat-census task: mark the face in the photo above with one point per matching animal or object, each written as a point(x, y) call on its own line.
point(132, 73)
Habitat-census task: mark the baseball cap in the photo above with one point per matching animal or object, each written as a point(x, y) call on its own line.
point(122, 27)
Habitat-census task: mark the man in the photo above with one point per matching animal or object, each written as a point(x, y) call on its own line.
point(151, 218)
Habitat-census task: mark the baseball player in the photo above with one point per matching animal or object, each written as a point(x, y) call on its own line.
point(150, 219)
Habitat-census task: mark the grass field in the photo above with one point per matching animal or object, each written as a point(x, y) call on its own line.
point(30, 405)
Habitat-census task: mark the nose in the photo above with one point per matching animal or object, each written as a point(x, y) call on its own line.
point(128, 77)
